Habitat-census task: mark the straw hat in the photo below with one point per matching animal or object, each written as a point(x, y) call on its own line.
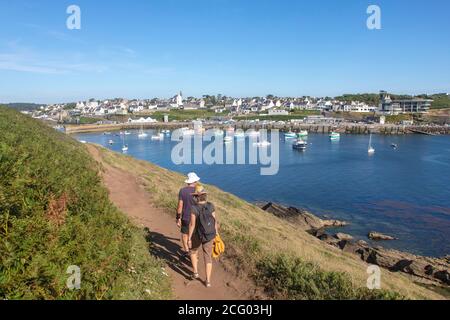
point(199, 190)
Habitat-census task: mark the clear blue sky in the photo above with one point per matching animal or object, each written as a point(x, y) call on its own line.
point(143, 49)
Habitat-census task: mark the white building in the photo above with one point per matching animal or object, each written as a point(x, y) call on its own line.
point(278, 112)
point(179, 100)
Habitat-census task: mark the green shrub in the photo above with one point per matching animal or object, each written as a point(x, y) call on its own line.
point(54, 213)
point(288, 277)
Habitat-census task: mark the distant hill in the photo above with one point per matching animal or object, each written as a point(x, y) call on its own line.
point(23, 106)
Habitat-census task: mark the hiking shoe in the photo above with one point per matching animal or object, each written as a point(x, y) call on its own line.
point(195, 276)
point(208, 284)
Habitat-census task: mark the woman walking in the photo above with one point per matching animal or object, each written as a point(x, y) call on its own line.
point(202, 231)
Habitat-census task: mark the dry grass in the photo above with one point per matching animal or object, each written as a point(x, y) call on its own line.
point(251, 233)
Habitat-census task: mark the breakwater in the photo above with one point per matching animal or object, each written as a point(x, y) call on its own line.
point(346, 128)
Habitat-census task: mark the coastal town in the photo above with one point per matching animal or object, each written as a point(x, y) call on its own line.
point(269, 105)
point(385, 112)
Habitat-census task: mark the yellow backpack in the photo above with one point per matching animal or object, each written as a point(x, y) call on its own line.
point(218, 247)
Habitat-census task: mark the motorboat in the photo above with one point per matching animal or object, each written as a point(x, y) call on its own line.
point(262, 144)
point(302, 134)
point(158, 137)
point(371, 149)
point(335, 136)
point(300, 145)
point(290, 135)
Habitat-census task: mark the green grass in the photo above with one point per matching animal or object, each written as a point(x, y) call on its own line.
point(88, 120)
point(54, 213)
point(287, 277)
point(185, 115)
point(397, 119)
point(299, 114)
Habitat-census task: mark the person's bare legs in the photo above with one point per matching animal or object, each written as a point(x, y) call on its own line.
point(208, 272)
point(184, 242)
point(194, 260)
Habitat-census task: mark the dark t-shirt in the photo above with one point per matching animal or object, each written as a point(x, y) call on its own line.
point(188, 201)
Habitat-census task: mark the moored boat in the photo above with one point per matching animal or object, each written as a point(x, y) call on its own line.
point(290, 135)
point(335, 136)
point(262, 144)
point(300, 145)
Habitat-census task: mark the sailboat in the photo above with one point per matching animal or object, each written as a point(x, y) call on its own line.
point(124, 146)
point(142, 134)
point(371, 150)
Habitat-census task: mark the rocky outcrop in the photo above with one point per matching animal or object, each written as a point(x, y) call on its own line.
point(379, 236)
point(431, 270)
point(428, 270)
point(302, 218)
point(343, 236)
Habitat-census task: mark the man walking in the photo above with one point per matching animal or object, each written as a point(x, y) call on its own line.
point(185, 203)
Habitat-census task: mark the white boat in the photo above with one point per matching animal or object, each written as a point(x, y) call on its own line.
point(187, 131)
point(228, 139)
point(300, 145)
point(142, 134)
point(111, 142)
point(127, 133)
point(371, 149)
point(290, 135)
point(335, 136)
point(239, 134)
point(124, 146)
point(262, 144)
point(158, 137)
point(167, 132)
point(253, 133)
point(83, 141)
point(302, 134)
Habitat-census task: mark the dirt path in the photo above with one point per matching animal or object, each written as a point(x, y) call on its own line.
point(129, 195)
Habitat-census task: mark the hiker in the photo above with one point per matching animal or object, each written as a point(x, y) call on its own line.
point(185, 203)
point(202, 231)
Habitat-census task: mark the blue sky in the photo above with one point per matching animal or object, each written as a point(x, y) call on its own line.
point(143, 49)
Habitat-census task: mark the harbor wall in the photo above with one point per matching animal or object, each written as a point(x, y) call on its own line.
point(312, 128)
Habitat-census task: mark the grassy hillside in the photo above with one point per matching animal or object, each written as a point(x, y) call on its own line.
point(55, 213)
point(287, 262)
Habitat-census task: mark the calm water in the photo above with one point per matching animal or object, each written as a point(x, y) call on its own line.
point(403, 192)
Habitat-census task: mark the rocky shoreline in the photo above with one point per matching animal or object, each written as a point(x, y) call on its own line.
point(427, 270)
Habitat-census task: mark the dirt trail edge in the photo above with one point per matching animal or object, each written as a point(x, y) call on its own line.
point(130, 196)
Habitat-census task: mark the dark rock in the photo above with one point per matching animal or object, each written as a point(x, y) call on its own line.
point(379, 236)
point(343, 236)
point(302, 218)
